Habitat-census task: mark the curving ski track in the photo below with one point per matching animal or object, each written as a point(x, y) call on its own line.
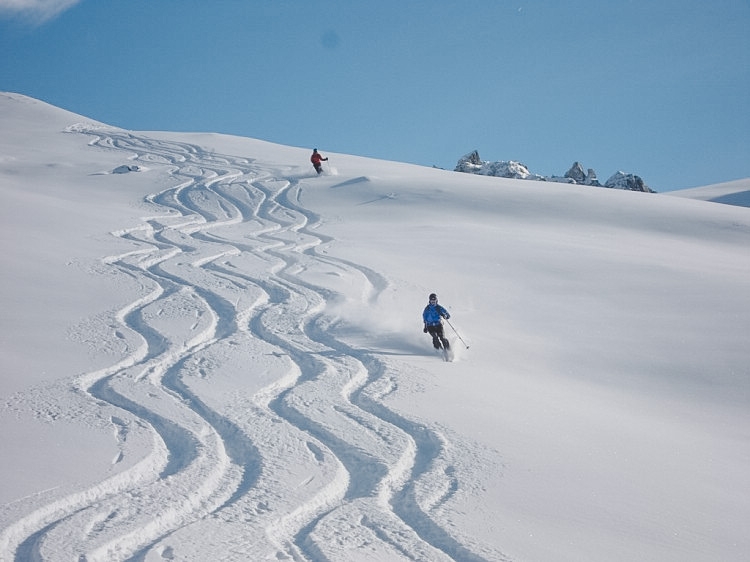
point(230, 256)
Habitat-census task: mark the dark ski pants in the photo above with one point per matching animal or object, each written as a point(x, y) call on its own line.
point(438, 337)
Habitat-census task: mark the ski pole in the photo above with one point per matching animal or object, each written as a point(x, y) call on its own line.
point(459, 335)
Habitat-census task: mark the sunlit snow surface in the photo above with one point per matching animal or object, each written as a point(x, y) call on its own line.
point(216, 354)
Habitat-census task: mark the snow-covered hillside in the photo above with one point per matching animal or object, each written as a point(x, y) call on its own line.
point(218, 355)
point(730, 193)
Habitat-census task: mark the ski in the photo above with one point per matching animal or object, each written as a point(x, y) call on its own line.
point(448, 355)
point(445, 352)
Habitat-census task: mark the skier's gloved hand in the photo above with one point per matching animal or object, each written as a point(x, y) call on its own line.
point(425, 329)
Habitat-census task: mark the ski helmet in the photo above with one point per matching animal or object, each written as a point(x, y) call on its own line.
point(433, 297)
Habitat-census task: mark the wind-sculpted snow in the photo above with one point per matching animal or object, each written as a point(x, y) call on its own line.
point(234, 288)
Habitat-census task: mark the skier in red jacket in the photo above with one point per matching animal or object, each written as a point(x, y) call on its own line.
point(315, 159)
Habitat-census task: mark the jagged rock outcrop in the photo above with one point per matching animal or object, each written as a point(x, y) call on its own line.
point(591, 178)
point(577, 174)
point(631, 182)
point(473, 164)
point(469, 163)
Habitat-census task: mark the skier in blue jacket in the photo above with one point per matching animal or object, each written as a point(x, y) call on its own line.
point(433, 322)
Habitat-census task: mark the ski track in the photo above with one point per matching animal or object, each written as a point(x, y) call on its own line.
point(228, 261)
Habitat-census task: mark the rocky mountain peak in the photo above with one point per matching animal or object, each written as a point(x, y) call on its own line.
point(471, 163)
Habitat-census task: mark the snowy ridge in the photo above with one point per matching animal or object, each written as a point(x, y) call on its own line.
point(210, 299)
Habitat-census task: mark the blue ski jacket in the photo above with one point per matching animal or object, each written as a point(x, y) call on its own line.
point(433, 313)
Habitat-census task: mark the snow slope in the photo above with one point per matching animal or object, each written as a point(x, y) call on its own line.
point(220, 357)
point(730, 193)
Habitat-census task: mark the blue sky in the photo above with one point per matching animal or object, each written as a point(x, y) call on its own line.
point(656, 88)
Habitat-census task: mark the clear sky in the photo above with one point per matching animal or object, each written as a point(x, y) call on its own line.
point(659, 88)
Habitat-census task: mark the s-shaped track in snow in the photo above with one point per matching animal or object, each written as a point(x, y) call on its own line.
point(235, 379)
